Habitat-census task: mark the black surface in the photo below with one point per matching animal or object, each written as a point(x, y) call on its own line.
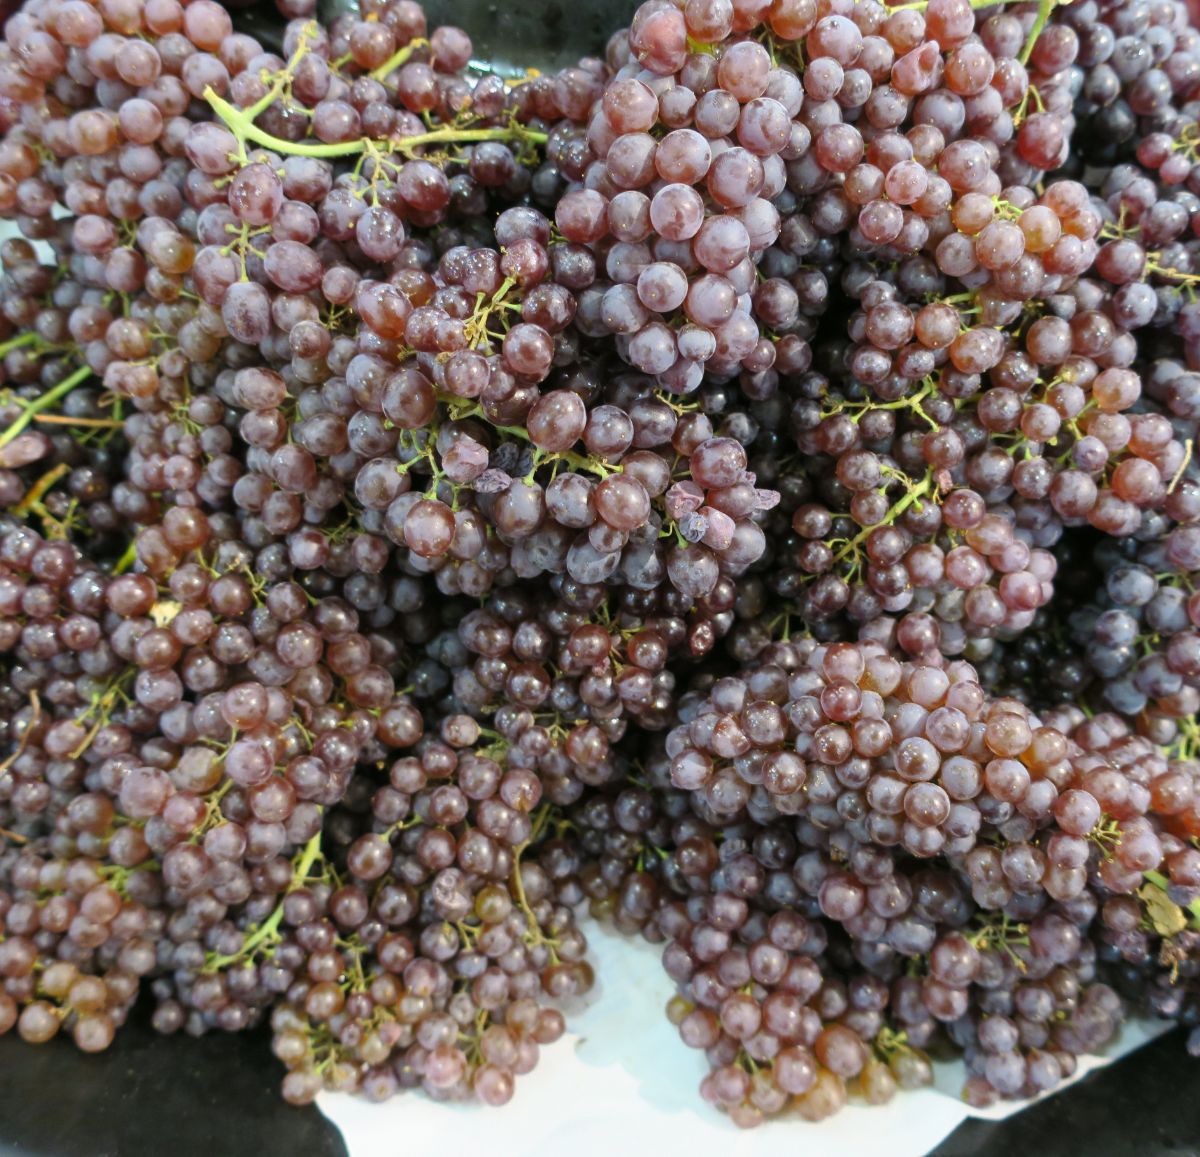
point(154, 1096)
point(1145, 1105)
point(151, 1096)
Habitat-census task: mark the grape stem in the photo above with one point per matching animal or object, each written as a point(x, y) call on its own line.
point(535, 936)
point(15, 343)
point(67, 420)
point(127, 559)
point(1004, 935)
point(1045, 7)
point(577, 462)
point(244, 129)
point(44, 402)
point(99, 710)
point(212, 808)
point(1187, 457)
point(1187, 743)
point(282, 81)
point(855, 410)
point(397, 59)
point(917, 491)
point(36, 704)
point(1152, 266)
point(118, 876)
point(32, 502)
point(269, 928)
point(240, 122)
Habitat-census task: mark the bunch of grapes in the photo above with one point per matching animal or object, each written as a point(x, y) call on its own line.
point(740, 488)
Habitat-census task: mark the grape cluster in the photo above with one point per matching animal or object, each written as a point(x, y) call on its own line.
point(740, 487)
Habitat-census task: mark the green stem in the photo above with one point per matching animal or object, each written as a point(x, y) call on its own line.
point(251, 112)
point(127, 559)
point(245, 130)
point(577, 462)
point(269, 928)
point(535, 935)
point(44, 403)
point(1187, 457)
point(397, 59)
point(408, 145)
point(260, 106)
point(856, 410)
point(1045, 7)
point(15, 343)
point(918, 491)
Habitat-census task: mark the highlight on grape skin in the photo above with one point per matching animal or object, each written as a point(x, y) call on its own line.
point(740, 488)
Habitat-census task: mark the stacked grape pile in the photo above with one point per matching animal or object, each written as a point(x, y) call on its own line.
point(740, 488)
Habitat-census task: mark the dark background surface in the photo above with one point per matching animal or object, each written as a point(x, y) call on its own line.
point(151, 1096)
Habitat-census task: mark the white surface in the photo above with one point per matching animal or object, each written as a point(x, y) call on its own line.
point(621, 1080)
